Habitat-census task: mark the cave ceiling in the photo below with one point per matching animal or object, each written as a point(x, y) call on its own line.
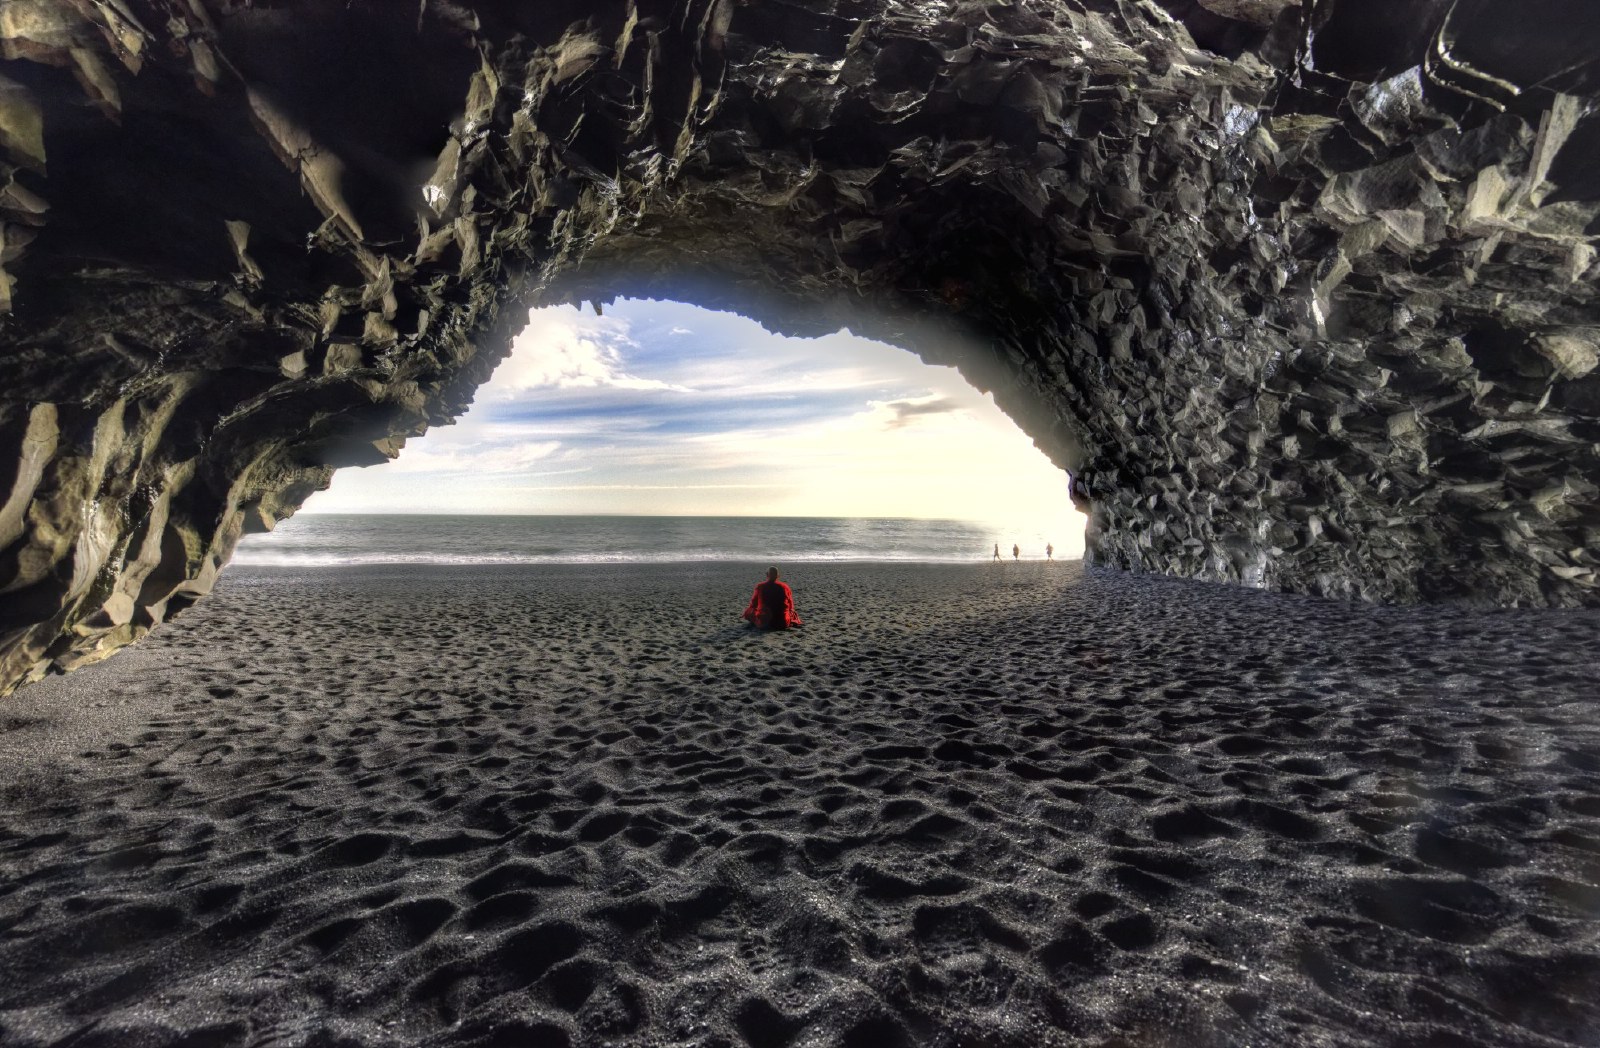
point(1299, 295)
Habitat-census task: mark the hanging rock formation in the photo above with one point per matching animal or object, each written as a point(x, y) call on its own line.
point(1301, 295)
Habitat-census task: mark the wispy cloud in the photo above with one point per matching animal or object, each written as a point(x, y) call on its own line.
point(476, 457)
point(620, 411)
point(658, 487)
point(565, 351)
point(665, 408)
point(904, 412)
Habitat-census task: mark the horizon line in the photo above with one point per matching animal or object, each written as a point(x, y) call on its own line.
point(736, 516)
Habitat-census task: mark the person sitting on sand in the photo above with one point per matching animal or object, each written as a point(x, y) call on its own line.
point(772, 605)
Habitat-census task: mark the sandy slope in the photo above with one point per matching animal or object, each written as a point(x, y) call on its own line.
point(986, 805)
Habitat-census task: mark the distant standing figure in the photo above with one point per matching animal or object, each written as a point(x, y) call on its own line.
point(772, 605)
point(1016, 552)
point(997, 551)
point(1049, 552)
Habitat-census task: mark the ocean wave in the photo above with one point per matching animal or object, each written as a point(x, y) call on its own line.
point(265, 559)
point(328, 542)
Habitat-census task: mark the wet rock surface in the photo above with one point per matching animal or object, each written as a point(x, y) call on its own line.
point(1302, 295)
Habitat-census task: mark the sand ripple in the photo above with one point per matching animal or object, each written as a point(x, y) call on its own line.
point(997, 805)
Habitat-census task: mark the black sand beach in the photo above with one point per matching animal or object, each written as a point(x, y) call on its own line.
point(999, 805)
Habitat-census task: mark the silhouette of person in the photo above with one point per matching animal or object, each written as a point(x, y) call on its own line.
point(772, 605)
point(1049, 552)
point(1016, 552)
point(997, 551)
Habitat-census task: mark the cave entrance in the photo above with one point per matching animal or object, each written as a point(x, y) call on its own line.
point(665, 409)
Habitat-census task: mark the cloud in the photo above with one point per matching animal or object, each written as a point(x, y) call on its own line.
point(720, 417)
point(476, 458)
point(904, 412)
point(657, 487)
point(563, 350)
point(603, 413)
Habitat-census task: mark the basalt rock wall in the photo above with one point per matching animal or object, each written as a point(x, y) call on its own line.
point(1300, 295)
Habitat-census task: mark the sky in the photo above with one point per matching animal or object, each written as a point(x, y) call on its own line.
point(665, 408)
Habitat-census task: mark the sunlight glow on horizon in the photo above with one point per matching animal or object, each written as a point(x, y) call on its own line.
point(665, 409)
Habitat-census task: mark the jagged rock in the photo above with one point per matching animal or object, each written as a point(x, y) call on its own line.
point(1258, 12)
point(1302, 295)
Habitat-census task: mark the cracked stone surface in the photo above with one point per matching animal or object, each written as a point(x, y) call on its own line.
point(1301, 295)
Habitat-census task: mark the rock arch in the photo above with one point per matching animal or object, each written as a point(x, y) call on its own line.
point(1303, 295)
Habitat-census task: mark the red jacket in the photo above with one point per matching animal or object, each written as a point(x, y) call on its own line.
point(772, 607)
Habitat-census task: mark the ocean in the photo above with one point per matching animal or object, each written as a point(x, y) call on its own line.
point(329, 539)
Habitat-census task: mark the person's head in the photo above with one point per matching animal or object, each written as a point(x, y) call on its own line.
point(772, 574)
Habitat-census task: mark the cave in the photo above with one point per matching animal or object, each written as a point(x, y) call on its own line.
point(1302, 296)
